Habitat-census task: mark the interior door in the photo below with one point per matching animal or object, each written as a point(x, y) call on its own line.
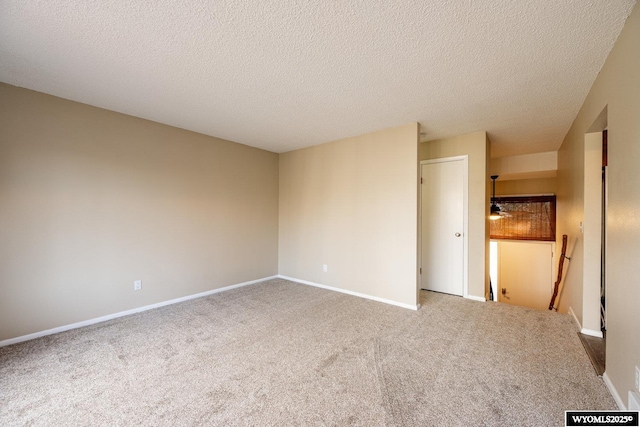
point(442, 217)
point(525, 273)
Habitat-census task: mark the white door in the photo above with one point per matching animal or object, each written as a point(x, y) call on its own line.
point(442, 216)
point(525, 273)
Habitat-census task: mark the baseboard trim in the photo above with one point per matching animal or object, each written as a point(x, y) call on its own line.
point(582, 330)
point(570, 311)
point(591, 332)
point(634, 401)
point(614, 392)
point(475, 298)
point(100, 319)
point(355, 294)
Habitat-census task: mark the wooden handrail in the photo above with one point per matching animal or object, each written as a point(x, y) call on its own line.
point(560, 268)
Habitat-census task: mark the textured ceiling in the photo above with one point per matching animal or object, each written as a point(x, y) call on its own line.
point(281, 75)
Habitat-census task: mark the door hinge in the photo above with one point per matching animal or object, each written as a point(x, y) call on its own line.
point(420, 180)
point(420, 270)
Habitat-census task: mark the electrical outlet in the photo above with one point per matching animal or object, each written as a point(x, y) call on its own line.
point(325, 268)
point(637, 378)
point(137, 285)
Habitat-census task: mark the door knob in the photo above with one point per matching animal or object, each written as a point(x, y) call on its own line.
point(458, 234)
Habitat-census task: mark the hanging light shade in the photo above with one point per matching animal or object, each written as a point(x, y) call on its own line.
point(495, 212)
point(495, 209)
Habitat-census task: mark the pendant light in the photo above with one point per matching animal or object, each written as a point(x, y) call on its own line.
point(495, 209)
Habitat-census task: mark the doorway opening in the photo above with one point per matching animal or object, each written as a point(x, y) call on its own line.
point(594, 291)
point(522, 246)
point(603, 237)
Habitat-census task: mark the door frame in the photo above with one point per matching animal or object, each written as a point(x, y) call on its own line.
point(592, 236)
point(465, 217)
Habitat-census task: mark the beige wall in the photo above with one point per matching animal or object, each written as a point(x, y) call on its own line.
point(352, 205)
point(526, 166)
point(91, 200)
point(476, 146)
point(617, 88)
point(526, 186)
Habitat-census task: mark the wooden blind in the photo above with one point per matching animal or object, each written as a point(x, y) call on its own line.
point(525, 218)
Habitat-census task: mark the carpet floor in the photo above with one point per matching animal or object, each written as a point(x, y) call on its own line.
point(280, 353)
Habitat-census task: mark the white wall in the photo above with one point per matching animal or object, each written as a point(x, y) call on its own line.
point(592, 226)
point(352, 205)
point(527, 166)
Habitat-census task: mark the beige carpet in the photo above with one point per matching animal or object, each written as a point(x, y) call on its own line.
point(280, 353)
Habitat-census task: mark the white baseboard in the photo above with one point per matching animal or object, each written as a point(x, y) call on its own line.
point(475, 298)
point(125, 313)
point(344, 291)
point(582, 330)
point(634, 401)
point(570, 311)
point(591, 332)
point(614, 392)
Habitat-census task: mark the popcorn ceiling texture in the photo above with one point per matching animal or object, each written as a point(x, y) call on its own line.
point(285, 75)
